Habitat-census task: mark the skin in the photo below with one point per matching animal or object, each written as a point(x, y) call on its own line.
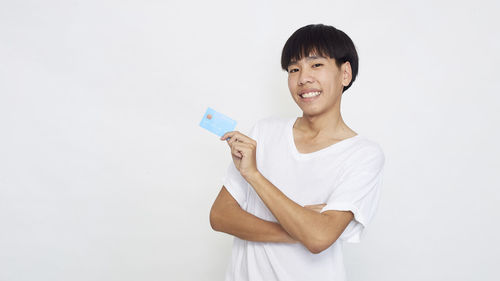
point(321, 125)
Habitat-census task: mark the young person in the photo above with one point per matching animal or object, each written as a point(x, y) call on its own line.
point(298, 188)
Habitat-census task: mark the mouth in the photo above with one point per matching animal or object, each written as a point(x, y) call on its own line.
point(310, 95)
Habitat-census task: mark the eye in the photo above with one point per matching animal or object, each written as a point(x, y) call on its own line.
point(292, 70)
point(317, 64)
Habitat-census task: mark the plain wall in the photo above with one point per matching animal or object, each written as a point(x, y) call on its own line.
point(106, 175)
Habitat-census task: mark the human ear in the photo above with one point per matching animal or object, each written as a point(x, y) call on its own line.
point(346, 72)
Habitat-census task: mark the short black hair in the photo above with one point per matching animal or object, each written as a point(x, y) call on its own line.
point(323, 40)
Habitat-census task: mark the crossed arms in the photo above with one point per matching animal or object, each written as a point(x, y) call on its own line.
point(316, 235)
point(306, 225)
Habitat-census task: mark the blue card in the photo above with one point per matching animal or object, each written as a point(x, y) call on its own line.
point(217, 123)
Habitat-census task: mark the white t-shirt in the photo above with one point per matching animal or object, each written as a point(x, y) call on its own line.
point(346, 175)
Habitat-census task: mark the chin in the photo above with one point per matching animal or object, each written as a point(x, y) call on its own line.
point(311, 113)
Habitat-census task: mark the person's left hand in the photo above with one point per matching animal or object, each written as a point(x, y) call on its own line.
point(317, 207)
point(243, 151)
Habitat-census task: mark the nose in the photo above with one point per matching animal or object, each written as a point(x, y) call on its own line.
point(304, 77)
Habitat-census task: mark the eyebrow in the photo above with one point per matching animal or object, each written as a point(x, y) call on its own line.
point(308, 58)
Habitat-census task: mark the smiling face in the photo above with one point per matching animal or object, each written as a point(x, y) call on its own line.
point(316, 83)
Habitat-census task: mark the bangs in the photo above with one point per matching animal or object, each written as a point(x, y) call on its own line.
point(318, 39)
point(299, 48)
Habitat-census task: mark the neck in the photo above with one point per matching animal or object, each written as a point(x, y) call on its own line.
point(329, 124)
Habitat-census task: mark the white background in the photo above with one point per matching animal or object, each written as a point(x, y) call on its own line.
point(106, 175)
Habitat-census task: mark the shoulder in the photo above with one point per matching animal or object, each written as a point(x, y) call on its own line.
point(270, 129)
point(272, 122)
point(268, 125)
point(366, 151)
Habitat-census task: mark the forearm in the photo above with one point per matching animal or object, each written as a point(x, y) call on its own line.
point(249, 227)
point(227, 216)
point(304, 225)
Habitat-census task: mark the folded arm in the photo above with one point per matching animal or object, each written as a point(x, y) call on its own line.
point(316, 231)
point(227, 216)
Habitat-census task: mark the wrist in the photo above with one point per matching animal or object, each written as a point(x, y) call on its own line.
point(252, 176)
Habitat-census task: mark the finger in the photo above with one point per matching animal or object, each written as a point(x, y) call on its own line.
point(242, 148)
point(244, 138)
point(317, 210)
point(232, 139)
point(245, 149)
point(314, 209)
point(316, 205)
point(238, 136)
point(227, 135)
point(236, 152)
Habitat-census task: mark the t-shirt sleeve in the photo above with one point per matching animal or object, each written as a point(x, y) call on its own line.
point(235, 184)
point(359, 190)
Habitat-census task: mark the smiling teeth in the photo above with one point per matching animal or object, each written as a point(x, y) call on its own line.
point(310, 94)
